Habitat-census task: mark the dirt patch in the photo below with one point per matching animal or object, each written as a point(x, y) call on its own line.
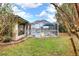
point(63, 34)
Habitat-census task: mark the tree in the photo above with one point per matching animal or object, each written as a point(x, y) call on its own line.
point(68, 16)
point(6, 21)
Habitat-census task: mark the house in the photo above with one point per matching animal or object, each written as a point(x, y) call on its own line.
point(13, 27)
point(20, 29)
point(44, 28)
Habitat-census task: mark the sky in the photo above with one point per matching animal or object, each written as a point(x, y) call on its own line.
point(35, 11)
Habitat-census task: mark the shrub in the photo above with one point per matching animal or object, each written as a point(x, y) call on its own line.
point(7, 39)
point(62, 28)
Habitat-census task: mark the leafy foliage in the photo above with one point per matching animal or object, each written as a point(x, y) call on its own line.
point(67, 14)
point(6, 21)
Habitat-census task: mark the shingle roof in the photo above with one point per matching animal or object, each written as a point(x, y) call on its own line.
point(40, 21)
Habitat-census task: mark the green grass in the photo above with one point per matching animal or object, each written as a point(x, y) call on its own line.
point(39, 47)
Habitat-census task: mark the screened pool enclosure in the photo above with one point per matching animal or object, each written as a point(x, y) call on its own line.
point(45, 29)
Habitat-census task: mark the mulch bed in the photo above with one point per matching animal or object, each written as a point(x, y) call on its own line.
point(13, 42)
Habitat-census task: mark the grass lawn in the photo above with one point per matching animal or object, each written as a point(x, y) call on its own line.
point(39, 47)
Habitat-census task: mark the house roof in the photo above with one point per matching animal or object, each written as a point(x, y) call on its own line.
point(40, 21)
point(20, 20)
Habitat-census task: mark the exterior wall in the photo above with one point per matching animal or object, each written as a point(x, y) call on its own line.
point(28, 29)
point(15, 31)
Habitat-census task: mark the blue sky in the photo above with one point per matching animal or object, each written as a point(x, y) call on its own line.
point(35, 11)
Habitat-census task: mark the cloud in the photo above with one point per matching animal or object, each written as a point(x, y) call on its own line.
point(21, 13)
point(51, 18)
point(16, 10)
point(24, 15)
point(51, 9)
point(43, 13)
point(30, 5)
point(49, 13)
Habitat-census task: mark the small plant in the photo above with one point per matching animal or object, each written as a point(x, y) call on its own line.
point(7, 39)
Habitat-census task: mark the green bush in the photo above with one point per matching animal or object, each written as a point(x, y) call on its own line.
point(62, 28)
point(7, 39)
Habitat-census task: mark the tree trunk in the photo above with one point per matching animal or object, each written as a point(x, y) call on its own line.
point(67, 25)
